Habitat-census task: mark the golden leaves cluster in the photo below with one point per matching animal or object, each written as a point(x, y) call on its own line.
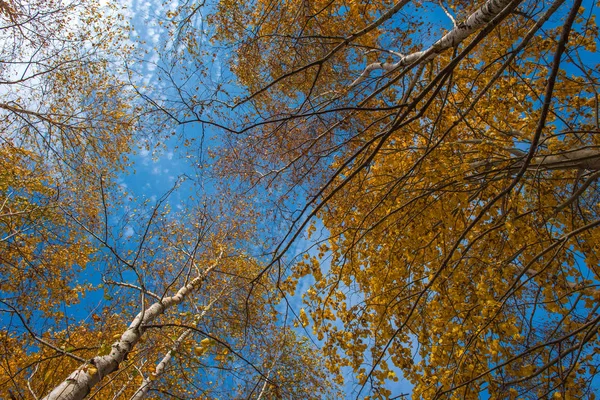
point(462, 227)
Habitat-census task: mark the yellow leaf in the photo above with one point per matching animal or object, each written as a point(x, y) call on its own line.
point(199, 350)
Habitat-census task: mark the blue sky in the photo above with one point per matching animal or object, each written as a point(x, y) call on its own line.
point(157, 171)
point(154, 172)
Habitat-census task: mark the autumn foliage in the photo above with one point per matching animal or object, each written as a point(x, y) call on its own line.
point(453, 195)
point(423, 174)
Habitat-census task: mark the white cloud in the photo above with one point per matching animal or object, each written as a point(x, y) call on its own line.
point(128, 231)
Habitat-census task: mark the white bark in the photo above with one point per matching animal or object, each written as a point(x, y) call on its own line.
point(448, 13)
point(160, 368)
point(476, 21)
point(264, 387)
point(79, 384)
point(146, 385)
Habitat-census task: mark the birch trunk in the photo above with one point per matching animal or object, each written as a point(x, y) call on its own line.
point(585, 158)
point(79, 384)
point(582, 158)
point(474, 22)
point(146, 385)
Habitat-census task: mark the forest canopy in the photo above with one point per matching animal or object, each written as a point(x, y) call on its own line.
point(374, 199)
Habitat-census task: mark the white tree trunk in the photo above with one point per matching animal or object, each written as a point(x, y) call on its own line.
point(142, 391)
point(79, 384)
point(583, 158)
point(476, 21)
point(146, 385)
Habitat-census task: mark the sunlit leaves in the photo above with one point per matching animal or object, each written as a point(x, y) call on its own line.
point(461, 217)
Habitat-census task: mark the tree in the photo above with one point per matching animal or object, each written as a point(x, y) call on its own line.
point(67, 119)
point(202, 328)
point(180, 315)
point(452, 178)
point(447, 184)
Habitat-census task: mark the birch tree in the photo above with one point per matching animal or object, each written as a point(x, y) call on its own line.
point(440, 157)
point(448, 154)
point(180, 313)
point(67, 118)
point(180, 317)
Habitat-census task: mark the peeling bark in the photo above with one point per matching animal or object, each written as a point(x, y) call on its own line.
point(583, 158)
point(144, 388)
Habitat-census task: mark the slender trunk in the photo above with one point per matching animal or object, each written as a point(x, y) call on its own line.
point(146, 385)
point(476, 21)
point(79, 384)
point(587, 158)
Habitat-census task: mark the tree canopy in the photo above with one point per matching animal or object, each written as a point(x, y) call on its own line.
point(423, 174)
